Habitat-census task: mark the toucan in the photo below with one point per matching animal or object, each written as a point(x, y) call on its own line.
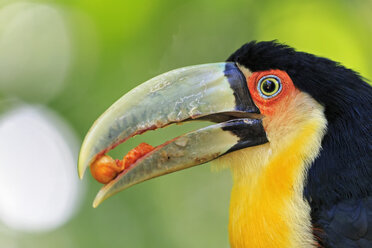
point(294, 129)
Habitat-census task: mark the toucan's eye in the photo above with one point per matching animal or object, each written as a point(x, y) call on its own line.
point(269, 86)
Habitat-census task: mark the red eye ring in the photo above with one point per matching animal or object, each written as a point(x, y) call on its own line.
point(267, 104)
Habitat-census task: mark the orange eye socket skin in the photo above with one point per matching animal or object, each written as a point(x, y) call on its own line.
point(267, 104)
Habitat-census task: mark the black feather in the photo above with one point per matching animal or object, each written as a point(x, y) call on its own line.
point(342, 174)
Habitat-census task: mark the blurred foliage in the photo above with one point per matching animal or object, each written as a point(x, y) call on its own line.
point(118, 44)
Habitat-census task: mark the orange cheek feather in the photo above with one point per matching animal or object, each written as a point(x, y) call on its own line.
point(268, 106)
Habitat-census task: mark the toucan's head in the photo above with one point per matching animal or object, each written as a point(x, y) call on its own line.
point(277, 113)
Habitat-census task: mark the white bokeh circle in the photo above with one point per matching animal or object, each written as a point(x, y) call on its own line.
point(39, 186)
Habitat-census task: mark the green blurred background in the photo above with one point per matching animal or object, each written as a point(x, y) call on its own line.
point(76, 57)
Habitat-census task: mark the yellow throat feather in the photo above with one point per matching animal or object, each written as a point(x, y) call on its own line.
point(267, 207)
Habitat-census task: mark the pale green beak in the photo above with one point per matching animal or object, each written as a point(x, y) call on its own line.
point(215, 92)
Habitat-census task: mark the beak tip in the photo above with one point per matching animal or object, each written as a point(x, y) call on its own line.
point(81, 170)
point(81, 175)
point(82, 163)
point(100, 197)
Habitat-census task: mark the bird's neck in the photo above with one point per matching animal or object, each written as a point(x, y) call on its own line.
point(267, 207)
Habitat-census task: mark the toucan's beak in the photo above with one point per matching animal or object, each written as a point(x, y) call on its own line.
point(214, 92)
